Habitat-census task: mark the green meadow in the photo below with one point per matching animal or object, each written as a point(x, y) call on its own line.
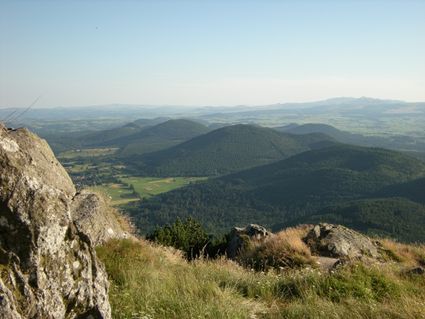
point(88, 152)
point(147, 187)
point(131, 189)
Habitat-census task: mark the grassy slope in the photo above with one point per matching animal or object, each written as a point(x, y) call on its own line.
point(153, 282)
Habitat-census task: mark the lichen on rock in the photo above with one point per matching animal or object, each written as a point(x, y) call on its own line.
point(340, 242)
point(48, 263)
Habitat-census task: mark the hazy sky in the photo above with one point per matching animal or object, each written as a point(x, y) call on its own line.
point(209, 52)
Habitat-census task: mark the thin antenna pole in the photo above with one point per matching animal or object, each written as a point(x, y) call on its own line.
point(9, 116)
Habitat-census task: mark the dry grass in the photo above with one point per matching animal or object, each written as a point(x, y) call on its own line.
point(286, 249)
point(292, 239)
point(410, 255)
point(125, 222)
point(150, 281)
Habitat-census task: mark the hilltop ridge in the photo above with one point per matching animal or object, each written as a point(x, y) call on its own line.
point(227, 150)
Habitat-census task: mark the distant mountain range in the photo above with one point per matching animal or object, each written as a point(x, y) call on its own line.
point(365, 104)
point(399, 142)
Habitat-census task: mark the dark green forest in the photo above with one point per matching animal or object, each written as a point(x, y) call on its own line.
point(226, 150)
point(314, 185)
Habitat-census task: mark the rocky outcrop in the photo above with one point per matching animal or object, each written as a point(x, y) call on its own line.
point(328, 245)
point(238, 237)
point(94, 217)
point(340, 242)
point(48, 265)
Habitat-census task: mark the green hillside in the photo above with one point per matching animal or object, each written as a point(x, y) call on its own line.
point(227, 150)
point(158, 137)
point(315, 128)
point(414, 190)
point(107, 137)
point(81, 138)
point(384, 217)
point(288, 190)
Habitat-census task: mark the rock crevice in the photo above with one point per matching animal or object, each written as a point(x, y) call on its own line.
point(48, 263)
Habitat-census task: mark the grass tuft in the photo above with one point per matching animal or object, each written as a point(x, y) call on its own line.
point(411, 255)
point(286, 249)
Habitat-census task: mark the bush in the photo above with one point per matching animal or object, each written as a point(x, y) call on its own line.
point(188, 236)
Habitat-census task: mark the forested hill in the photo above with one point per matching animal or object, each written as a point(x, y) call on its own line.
point(414, 190)
point(84, 138)
point(135, 138)
point(299, 187)
point(107, 137)
point(228, 149)
point(158, 137)
point(379, 166)
point(315, 128)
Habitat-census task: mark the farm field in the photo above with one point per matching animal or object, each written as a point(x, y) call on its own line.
point(147, 187)
point(132, 189)
point(88, 152)
point(119, 194)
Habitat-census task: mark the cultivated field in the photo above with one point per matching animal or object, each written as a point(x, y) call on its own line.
point(131, 189)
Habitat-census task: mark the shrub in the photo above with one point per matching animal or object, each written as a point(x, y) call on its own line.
point(188, 236)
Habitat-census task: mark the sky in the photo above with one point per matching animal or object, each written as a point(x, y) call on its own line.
point(75, 53)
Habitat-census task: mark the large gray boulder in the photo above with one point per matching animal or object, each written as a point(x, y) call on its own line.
point(48, 264)
point(340, 242)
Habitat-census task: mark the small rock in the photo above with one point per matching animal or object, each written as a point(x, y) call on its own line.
point(327, 263)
